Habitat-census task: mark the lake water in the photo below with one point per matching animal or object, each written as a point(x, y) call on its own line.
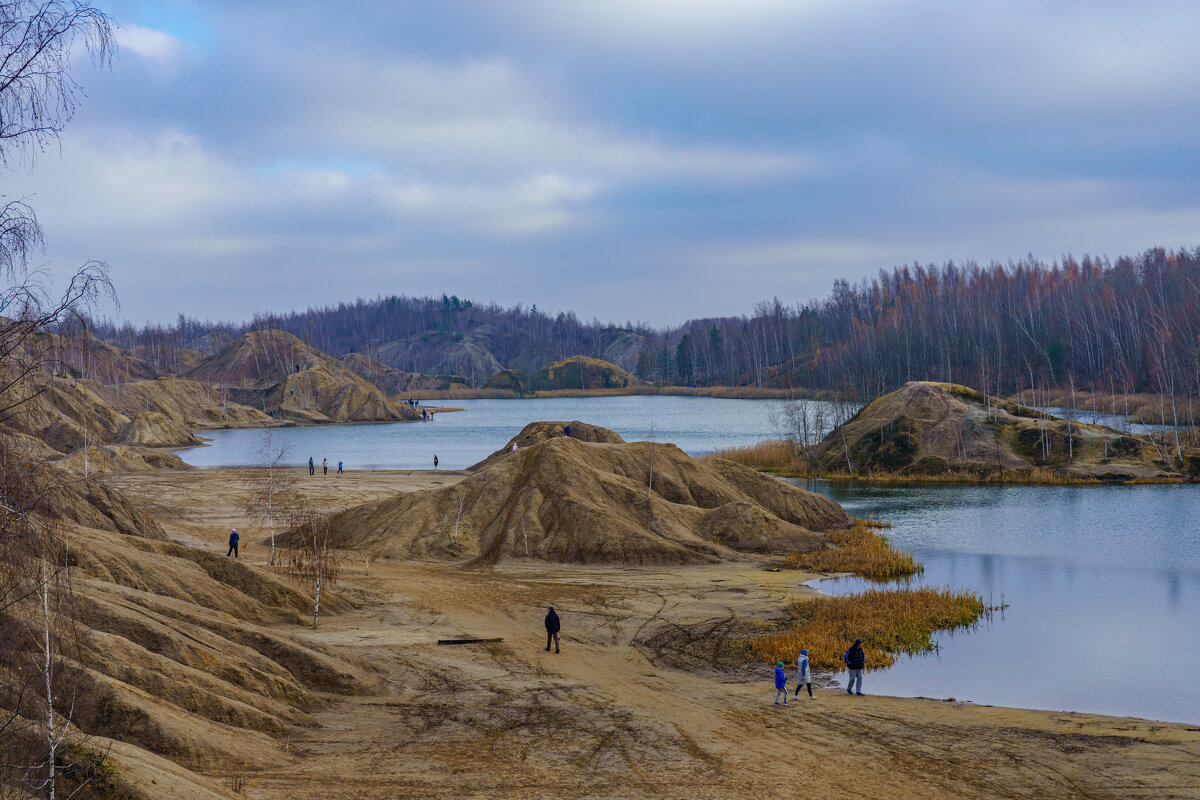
point(1103, 583)
point(461, 438)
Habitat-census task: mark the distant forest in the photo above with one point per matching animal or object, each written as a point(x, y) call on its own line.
point(1122, 326)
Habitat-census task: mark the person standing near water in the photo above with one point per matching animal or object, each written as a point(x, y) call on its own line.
point(325, 466)
point(780, 683)
point(233, 544)
point(312, 470)
point(856, 662)
point(552, 628)
point(339, 472)
point(435, 462)
point(803, 673)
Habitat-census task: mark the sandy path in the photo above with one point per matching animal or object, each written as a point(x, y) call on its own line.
point(603, 719)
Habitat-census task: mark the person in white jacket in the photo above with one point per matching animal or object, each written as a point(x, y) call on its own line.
point(803, 674)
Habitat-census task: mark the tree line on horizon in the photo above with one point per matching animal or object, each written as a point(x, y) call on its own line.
point(1129, 325)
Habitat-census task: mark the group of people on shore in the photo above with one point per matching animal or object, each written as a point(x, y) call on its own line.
point(312, 467)
point(855, 660)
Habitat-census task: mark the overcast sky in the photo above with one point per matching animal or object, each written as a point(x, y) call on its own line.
point(649, 160)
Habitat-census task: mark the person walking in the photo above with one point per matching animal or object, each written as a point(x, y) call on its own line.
point(325, 466)
point(339, 472)
point(856, 662)
point(803, 673)
point(312, 469)
point(233, 544)
point(435, 462)
point(780, 683)
point(552, 628)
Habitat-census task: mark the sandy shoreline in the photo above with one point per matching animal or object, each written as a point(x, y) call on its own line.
point(615, 715)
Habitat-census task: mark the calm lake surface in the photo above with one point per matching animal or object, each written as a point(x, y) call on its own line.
point(1103, 587)
point(461, 438)
point(1103, 583)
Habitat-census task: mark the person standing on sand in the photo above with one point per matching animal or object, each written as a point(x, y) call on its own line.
point(435, 462)
point(552, 628)
point(312, 470)
point(803, 673)
point(856, 662)
point(339, 472)
point(325, 466)
point(780, 683)
point(233, 544)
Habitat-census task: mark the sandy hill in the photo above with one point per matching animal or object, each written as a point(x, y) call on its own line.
point(396, 381)
point(562, 498)
point(185, 656)
point(84, 356)
point(285, 377)
point(66, 413)
point(928, 428)
point(577, 372)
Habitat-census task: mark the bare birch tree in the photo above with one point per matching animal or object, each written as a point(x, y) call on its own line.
point(313, 554)
point(270, 487)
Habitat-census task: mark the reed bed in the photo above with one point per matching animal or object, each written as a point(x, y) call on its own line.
point(773, 455)
point(860, 550)
point(888, 621)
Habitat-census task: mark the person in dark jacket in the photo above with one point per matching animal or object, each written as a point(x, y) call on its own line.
point(856, 662)
point(552, 628)
point(312, 468)
point(233, 544)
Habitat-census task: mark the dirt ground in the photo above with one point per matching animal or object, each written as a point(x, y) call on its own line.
point(613, 715)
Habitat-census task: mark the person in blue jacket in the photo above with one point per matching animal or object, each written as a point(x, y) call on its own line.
point(233, 544)
point(780, 684)
point(856, 662)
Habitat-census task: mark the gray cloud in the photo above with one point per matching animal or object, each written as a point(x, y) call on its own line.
point(626, 160)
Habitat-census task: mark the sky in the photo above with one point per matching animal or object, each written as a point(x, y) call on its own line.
point(644, 160)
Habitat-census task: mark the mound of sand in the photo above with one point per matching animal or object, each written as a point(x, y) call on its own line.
point(152, 429)
point(538, 432)
point(120, 458)
point(577, 372)
point(566, 499)
point(927, 428)
point(68, 414)
point(187, 402)
point(287, 378)
point(85, 356)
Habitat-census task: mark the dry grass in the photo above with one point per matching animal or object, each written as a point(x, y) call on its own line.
point(773, 455)
point(888, 621)
point(860, 550)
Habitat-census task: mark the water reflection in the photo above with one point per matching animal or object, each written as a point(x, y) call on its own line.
point(1096, 579)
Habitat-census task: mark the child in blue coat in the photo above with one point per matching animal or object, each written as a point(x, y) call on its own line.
point(780, 684)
